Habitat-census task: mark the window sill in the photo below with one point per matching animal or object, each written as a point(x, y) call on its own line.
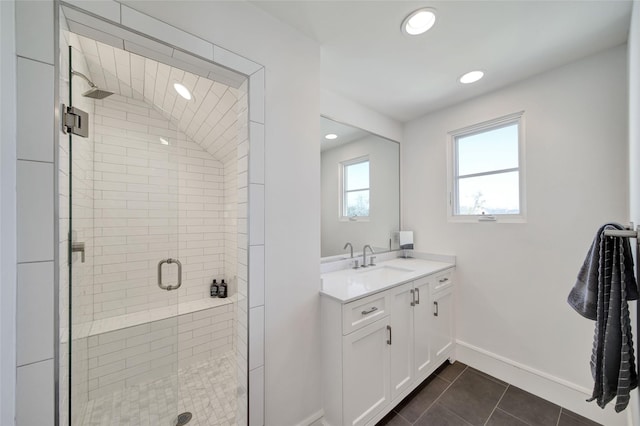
point(488, 219)
point(354, 219)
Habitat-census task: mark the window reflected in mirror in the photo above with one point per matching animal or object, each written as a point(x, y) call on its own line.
point(360, 190)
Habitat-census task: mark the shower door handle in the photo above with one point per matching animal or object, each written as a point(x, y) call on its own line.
point(169, 287)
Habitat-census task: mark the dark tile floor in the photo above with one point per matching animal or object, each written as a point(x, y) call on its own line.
point(458, 395)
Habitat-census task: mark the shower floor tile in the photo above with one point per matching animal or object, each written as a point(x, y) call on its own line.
point(207, 390)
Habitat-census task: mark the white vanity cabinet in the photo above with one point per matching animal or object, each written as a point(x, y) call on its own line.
point(412, 334)
point(402, 337)
point(365, 377)
point(442, 324)
point(378, 348)
point(423, 324)
point(356, 359)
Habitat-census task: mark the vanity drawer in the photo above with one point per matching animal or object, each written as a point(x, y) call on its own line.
point(442, 281)
point(359, 313)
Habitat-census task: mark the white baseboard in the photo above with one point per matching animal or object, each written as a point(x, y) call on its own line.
point(552, 388)
point(313, 420)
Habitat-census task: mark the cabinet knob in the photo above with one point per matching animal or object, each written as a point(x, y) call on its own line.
point(444, 280)
point(389, 341)
point(435, 309)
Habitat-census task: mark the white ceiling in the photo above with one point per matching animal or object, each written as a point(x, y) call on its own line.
point(344, 133)
point(208, 119)
point(366, 58)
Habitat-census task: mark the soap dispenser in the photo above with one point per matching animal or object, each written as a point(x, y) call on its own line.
point(214, 289)
point(222, 291)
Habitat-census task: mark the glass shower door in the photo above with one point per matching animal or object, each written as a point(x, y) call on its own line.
point(122, 249)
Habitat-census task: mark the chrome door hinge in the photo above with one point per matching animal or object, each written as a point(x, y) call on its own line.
point(75, 121)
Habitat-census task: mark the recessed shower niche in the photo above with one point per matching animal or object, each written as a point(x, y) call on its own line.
point(153, 207)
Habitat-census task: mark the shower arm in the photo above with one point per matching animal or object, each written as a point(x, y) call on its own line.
point(79, 74)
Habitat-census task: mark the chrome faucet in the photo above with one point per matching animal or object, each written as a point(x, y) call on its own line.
point(350, 246)
point(364, 255)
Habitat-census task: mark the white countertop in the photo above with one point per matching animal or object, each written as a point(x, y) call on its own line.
point(347, 285)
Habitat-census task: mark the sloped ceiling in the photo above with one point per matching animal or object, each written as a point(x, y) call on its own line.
point(209, 118)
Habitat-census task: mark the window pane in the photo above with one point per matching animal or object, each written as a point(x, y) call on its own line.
point(495, 149)
point(491, 194)
point(357, 176)
point(357, 203)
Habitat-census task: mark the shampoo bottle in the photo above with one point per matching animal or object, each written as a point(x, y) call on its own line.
point(214, 289)
point(222, 292)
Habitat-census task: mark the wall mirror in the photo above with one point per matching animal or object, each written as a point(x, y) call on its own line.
point(360, 190)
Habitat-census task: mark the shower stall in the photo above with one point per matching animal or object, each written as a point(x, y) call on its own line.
point(152, 208)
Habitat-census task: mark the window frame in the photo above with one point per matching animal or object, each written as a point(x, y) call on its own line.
point(453, 177)
point(343, 189)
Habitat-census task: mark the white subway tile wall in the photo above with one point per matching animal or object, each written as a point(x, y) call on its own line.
point(154, 350)
point(35, 381)
point(138, 199)
point(155, 201)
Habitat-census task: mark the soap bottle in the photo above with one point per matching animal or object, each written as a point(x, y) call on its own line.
point(222, 292)
point(214, 289)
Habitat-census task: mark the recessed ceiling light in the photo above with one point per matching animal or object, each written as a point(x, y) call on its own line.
point(182, 91)
point(471, 77)
point(331, 136)
point(163, 141)
point(419, 21)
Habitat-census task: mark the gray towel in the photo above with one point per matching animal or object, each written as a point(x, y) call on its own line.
point(605, 283)
point(584, 295)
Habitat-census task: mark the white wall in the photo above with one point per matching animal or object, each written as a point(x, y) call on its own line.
point(513, 279)
point(634, 151)
point(292, 167)
point(384, 163)
point(7, 211)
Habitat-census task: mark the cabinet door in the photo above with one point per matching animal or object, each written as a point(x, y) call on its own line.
point(366, 372)
point(401, 303)
point(442, 324)
point(423, 330)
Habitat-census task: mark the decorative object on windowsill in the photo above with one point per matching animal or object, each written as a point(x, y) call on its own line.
point(605, 283)
point(486, 218)
point(406, 242)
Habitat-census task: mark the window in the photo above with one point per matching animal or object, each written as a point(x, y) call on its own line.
point(355, 188)
point(487, 178)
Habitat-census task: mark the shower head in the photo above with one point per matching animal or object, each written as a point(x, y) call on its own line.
point(94, 92)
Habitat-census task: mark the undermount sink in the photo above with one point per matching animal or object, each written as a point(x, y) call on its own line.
point(384, 272)
point(346, 285)
point(372, 269)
